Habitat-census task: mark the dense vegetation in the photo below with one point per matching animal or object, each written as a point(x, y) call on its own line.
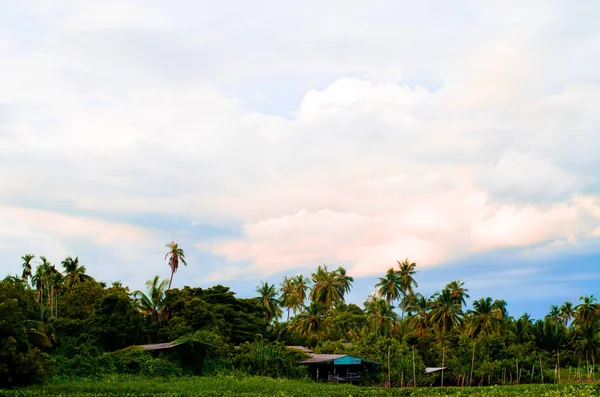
point(60, 325)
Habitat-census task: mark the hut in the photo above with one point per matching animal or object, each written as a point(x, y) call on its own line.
point(338, 367)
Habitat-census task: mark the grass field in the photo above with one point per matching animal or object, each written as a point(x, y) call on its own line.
point(257, 386)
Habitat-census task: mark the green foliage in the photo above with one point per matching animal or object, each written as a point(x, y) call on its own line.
point(264, 359)
point(20, 361)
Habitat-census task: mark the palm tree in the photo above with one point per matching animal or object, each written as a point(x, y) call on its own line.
point(326, 287)
point(343, 280)
point(587, 311)
point(268, 299)
point(75, 273)
point(588, 343)
point(389, 286)
point(554, 314)
point(309, 322)
point(175, 254)
point(301, 285)
point(421, 317)
point(460, 294)
point(446, 314)
point(381, 315)
point(288, 295)
point(153, 302)
point(39, 281)
point(567, 312)
point(484, 317)
point(27, 266)
point(407, 282)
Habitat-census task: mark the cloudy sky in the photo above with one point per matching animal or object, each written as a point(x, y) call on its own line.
point(269, 137)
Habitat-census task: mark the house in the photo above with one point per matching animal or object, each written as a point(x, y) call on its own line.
point(338, 367)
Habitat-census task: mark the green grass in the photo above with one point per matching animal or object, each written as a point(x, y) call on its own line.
point(267, 387)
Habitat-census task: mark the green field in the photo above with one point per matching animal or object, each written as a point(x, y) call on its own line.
point(259, 386)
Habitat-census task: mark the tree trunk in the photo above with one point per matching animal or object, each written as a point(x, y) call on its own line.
point(472, 365)
point(171, 279)
point(443, 362)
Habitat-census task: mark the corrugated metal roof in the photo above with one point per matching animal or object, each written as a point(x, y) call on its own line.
point(159, 346)
point(433, 369)
point(322, 358)
point(301, 348)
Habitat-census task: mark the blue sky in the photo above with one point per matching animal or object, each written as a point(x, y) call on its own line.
point(269, 138)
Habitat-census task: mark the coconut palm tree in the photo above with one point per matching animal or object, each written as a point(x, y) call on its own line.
point(175, 255)
point(152, 303)
point(74, 272)
point(567, 312)
point(309, 323)
point(389, 287)
point(554, 314)
point(343, 280)
point(460, 294)
point(406, 274)
point(446, 314)
point(27, 266)
point(301, 286)
point(587, 311)
point(484, 317)
point(421, 315)
point(288, 295)
point(587, 343)
point(268, 299)
point(380, 315)
point(326, 287)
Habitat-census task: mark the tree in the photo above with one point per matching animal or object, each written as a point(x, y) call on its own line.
point(152, 303)
point(554, 314)
point(380, 315)
point(326, 287)
point(343, 281)
point(459, 293)
point(421, 317)
point(446, 314)
point(309, 322)
point(74, 272)
point(484, 317)
point(268, 299)
point(289, 296)
point(407, 282)
point(301, 285)
point(27, 266)
point(567, 312)
point(587, 311)
point(175, 255)
point(389, 287)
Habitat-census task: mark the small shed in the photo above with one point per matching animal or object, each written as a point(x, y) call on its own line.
point(338, 367)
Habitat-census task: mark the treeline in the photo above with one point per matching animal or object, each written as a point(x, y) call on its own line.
point(62, 323)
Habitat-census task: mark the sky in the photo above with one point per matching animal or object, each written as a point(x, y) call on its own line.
point(270, 137)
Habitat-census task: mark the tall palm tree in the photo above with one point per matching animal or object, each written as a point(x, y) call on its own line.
point(40, 280)
point(343, 280)
point(554, 314)
point(460, 294)
point(268, 299)
point(74, 272)
point(152, 303)
point(421, 315)
point(175, 255)
point(484, 317)
point(326, 287)
point(381, 315)
point(406, 274)
point(389, 287)
point(288, 295)
point(309, 323)
point(446, 314)
point(567, 312)
point(587, 311)
point(301, 286)
point(27, 266)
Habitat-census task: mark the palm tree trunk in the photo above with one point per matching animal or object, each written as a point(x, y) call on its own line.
point(472, 365)
point(171, 279)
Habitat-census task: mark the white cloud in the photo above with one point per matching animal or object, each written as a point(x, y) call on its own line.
point(428, 139)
